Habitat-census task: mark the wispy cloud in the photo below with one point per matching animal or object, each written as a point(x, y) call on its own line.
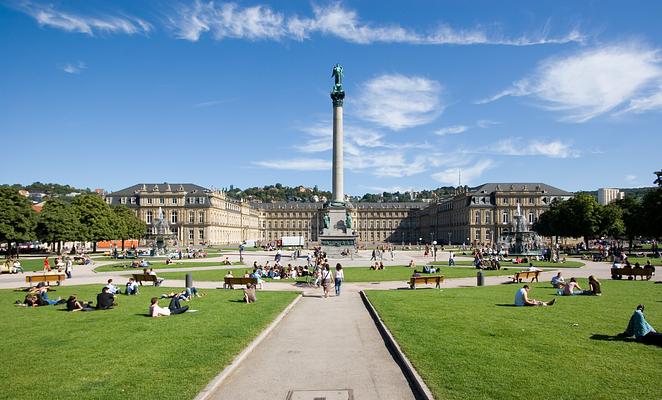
point(48, 15)
point(298, 164)
point(630, 178)
point(532, 147)
point(452, 130)
point(211, 103)
point(397, 101)
point(76, 68)
point(261, 22)
point(469, 172)
point(594, 82)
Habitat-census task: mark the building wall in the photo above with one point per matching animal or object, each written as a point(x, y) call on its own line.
point(607, 195)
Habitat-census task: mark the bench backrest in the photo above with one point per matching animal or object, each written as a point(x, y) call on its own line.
point(240, 281)
point(527, 274)
point(425, 279)
point(632, 271)
point(144, 278)
point(44, 278)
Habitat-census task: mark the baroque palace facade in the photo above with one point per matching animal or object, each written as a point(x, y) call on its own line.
point(199, 215)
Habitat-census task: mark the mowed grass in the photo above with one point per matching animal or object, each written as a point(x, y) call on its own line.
point(470, 343)
point(642, 260)
point(162, 265)
point(121, 353)
point(352, 274)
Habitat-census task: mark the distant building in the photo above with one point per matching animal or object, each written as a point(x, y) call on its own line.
point(606, 195)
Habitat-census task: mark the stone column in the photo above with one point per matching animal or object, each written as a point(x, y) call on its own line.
point(338, 192)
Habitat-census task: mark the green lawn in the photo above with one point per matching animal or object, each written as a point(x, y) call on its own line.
point(35, 264)
point(352, 274)
point(508, 264)
point(470, 343)
point(121, 353)
point(162, 265)
point(642, 260)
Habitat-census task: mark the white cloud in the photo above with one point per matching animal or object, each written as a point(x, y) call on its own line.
point(398, 101)
point(48, 15)
point(469, 173)
point(74, 68)
point(225, 20)
point(205, 104)
point(452, 130)
point(630, 178)
point(299, 164)
point(534, 147)
point(594, 82)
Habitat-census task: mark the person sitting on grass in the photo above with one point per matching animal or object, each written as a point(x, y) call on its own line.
point(73, 304)
point(175, 307)
point(412, 264)
point(381, 265)
point(558, 281)
point(249, 294)
point(227, 261)
point(522, 299)
point(156, 311)
point(131, 287)
point(572, 288)
point(641, 329)
point(112, 289)
point(168, 261)
point(594, 285)
point(105, 300)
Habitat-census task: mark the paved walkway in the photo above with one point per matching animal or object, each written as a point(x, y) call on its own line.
point(321, 345)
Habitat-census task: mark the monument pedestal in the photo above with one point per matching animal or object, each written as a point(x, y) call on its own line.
point(338, 240)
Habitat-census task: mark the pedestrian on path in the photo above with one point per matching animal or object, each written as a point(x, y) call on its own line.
point(326, 280)
point(340, 276)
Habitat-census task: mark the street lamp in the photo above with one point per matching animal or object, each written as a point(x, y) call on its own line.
point(434, 250)
point(449, 239)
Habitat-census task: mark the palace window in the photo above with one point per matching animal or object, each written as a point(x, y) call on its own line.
point(505, 200)
point(488, 217)
point(190, 234)
point(531, 217)
point(174, 200)
point(478, 234)
point(477, 217)
point(201, 234)
point(149, 200)
point(532, 200)
point(161, 200)
point(505, 217)
point(191, 217)
point(201, 217)
point(149, 216)
point(173, 217)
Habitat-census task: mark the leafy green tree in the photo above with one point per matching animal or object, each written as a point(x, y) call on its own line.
point(611, 224)
point(652, 213)
point(127, 225)
point(631, 214)
point(17, 218)
point(550, 222)
point(58, 222)
point(96, 218)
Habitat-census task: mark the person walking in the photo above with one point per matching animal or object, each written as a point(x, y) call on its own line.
point(326, 280)
point(69, 267)
point(340, 276)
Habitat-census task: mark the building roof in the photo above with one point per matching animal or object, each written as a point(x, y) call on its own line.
point(159, 188)
point(520, 187)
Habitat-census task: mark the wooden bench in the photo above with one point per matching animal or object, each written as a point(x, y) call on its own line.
point(140, 278)
point(437, 280)
point(526, 275)
point(30, 279)
point(230, 282)
point(618, 273)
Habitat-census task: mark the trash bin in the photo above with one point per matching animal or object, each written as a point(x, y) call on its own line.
point(189, 280)
point(480, 279)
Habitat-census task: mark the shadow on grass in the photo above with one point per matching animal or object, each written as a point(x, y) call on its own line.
point(505, 305)
point(611, 338)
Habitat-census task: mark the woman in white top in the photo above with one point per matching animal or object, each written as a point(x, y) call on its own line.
point(326, 280)
point(339, 278)
point(156, 311)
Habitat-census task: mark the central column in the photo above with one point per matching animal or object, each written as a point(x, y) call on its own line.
point(338, 192)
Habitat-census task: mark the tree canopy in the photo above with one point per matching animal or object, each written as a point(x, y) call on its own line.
point(17, 218)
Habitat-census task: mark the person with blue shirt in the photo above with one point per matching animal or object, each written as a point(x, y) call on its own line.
point(641, 329)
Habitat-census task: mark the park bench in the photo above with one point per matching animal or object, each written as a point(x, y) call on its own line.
point(230, 282)
point(519, 276)
point(140, 278)
point(30, 279)
point(619, 273)
point(420, 280)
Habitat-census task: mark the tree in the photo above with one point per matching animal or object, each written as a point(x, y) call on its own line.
point(631, 214)
point(127, 225)
point(550, 222)
point(611, 223)
point(651, 209)
point(17, 218)
point(58, 222)
point(96, 218)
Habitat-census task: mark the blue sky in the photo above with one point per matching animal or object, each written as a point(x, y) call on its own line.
point(108, 94)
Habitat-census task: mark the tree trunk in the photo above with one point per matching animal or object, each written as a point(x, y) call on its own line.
point(122, 244)
point(94, 246)
point(59, 247)
point(586, 242)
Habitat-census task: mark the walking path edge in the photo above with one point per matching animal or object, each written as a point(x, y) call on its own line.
point(218, 379)
point(420, 389)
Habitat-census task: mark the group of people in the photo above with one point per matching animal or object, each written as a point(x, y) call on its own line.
point(13, 265)
point(380, 251)
point(65, 265)
point(572, 288)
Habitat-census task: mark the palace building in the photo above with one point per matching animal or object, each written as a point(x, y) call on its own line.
point(198, 215)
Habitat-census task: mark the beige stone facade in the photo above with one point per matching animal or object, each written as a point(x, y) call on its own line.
point(198, 215)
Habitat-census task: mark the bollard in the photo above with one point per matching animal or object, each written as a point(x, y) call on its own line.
point(480, 278)
point(189, 280)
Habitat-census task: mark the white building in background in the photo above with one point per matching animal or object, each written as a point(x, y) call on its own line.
point(607, 195)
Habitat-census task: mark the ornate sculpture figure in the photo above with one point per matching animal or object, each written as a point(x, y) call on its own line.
point(327, 221)
point(348, 220)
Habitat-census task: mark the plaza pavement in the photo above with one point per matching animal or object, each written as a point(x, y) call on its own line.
point(322, 344)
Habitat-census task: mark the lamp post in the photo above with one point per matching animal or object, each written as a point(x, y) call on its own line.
point(449, 239)
point(434, 250)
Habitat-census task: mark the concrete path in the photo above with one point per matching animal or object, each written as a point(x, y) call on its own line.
point(325, 345)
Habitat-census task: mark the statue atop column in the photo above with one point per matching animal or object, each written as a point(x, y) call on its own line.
point(338, 93)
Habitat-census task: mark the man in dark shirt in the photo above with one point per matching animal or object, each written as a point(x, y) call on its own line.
point(105, 300)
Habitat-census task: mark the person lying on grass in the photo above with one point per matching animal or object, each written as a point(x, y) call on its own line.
point(156, 311)
point(641, 329)
point(175, 307)
point(73, 304)
point(42, 298)
point(522, 299)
